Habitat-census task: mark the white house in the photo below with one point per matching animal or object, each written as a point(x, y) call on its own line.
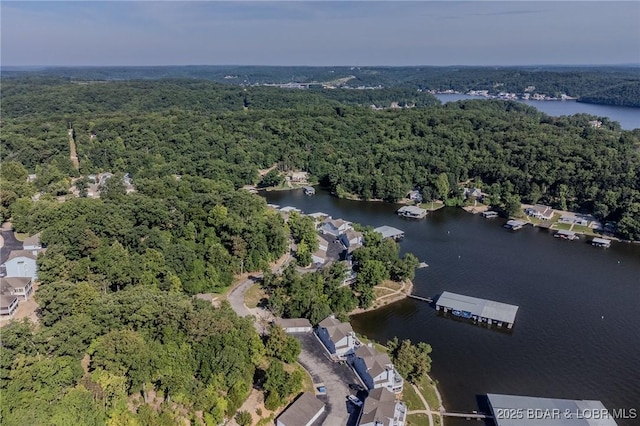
point(338, 337)
point(303, 412)
point(381, 409)
point(335, 227)
point(376, 369)
point(540, 211)
point(21, 263)
point(21, 287)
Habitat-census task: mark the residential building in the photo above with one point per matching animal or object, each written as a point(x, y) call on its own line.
point(8, 305)
point(295, 325)
point(351, 239)
point(540, 211)
point(415, 195)
point(303, 412)
point(335, 227)
point(338, 337)
point(21, 287)
point(21, 263)
point(376, 369)
point(382, 409)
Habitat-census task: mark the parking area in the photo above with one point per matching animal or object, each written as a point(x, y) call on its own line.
point(335, 376)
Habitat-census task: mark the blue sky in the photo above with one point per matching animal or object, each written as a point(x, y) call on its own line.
point(360, 33)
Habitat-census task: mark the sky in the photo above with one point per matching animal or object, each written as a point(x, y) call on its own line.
point(317, 33)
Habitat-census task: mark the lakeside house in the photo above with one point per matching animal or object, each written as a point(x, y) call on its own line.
point(351, 240)
point(21, 263)
point(8, 305)
point(21, 287)
point(376, 369)
point(540, 211)
point(415, 195)
point(412, 212)
point(338, 337)
point(382, 409)
point(334, 227)
point(303, 412)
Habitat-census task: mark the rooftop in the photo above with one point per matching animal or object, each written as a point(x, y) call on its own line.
point(21, 253)
point(480, 307)
point(582, 411)
point(293, 322)
point(389, 231)
point(302, 411)
point(379, 406)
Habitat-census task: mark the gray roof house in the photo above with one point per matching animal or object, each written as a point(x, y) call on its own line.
point(381, 409)
point(376, 369)
point(21, 263)
point(303, 412)
point(8, 305)
point(540, 211)
point(335, 227)
point(338, 337)
point(21, 287)
point(295, 325)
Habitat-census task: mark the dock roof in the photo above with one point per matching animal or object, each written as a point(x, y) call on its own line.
point(481, 307)
point(601, 241)
point(566, 232)
point(581, 411)
point(412, 210)
point(389, 231)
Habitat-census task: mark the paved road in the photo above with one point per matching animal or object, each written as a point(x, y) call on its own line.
point(336, 378)
point(9, 243)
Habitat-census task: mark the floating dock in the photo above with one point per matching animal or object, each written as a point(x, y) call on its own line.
point(514, 225)
point(489, 214)
point(512, 410)
point(566, 235)
point(412, 212)
point(601, 242)
point(480, 310)
point(390, 232)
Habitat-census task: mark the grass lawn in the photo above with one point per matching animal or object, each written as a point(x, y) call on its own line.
point(393, 285)
point(429, 393)
point(20, 236)
point(581, 229)
point(432, 206)
point(564, 226)
point(418, 420)
point(375, 344)
point(254, 295)
point(379, 292)
point(307, 383)
point(411, 398)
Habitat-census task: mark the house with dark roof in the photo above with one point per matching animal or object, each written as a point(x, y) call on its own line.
point(21, 287)
point(338, 337)
point(8, 305)
point(376, 369)
point(303, 412)
point(21, 263)
point(382, 409)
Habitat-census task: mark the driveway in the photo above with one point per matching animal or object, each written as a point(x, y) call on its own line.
point(9, 243)
point(335, 376)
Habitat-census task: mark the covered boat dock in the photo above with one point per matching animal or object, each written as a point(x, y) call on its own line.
point(390, 232)
point(601, 242)
point(481, 310)
point(412, 212)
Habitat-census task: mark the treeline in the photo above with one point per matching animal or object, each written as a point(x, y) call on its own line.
point(592, 84)
point(511, 150)
point(626, 94)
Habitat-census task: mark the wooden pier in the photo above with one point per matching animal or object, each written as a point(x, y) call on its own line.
point(468, 416)
point(424, 299)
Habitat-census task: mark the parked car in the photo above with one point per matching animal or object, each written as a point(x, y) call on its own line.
point(354, 400)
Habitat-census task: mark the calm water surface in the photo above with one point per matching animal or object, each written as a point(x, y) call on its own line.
point(629, 118)
point(577, 331)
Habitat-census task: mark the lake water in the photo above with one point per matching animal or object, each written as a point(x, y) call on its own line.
point(629, 118)
point(577, 331)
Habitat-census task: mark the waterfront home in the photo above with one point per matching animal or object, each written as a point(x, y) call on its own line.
point(548, 411)
point(303, 412)
point(415, 195)
point(338, 337)
point(295, 325)
point(382, 409)
point(390, 232)
point(319, 257)
point(21, 263)
point(297, 177)
point(471, 192)
point(290, 209)
point(334, 227)
point(376, 369)
point(412, 212)
point(21, 287)
point(8, 305)
point(540, 211)
point(351, 239)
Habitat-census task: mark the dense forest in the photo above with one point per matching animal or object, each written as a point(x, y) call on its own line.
point(512, 151)
point(121, 340)
point(609, 85)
